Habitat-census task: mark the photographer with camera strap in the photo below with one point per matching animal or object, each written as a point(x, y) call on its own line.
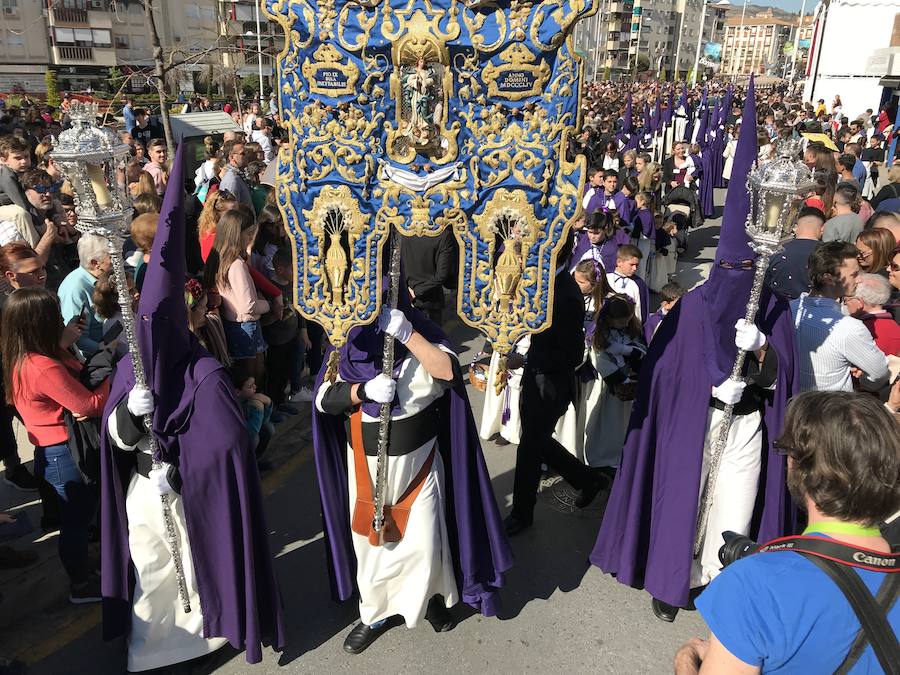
point(824, 601)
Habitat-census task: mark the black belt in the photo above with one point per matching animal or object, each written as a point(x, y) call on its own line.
point(144, 463)
point(406, 435)
point(743, 407)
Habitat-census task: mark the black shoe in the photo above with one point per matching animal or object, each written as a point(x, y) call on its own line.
point(49, 525)
point(11, 559)
point(89, 591)
point(21, 478)
point(439, 616)
point(514, 525)
point(589, 494)
point(362, 636)
point(501, 441)
point(664, 611)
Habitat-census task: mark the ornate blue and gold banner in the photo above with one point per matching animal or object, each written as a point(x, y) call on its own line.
point(420, 116)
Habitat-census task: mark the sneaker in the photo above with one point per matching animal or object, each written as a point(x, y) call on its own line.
point(11, 559)
point(87, 592)
point(302, 396)
point(21, 478)
point(287, 409)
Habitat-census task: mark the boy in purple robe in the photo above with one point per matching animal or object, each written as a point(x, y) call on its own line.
point(603, 240)
point(624, 199)
point(648, 532)
point(604, 198)
point(453, 548)
point(208, 470)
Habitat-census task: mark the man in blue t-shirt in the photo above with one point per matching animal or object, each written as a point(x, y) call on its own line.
point(777, 612)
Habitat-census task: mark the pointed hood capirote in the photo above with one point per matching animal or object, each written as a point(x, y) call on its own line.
point(200, 429)
point(727, 290)
point(649, 526)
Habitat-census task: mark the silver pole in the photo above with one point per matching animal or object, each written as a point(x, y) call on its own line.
point(680, 29)
point(699, 44)
point(114, 244)
point(706, 498)
point(384, 417)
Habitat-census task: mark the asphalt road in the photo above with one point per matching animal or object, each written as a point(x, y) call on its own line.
point(559, 614)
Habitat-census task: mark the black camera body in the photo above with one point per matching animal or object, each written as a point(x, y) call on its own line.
point(736, 546)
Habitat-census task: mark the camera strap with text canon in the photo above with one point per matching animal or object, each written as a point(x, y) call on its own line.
point(835, 559)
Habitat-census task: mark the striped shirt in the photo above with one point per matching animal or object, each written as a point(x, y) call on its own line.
point(829, 344)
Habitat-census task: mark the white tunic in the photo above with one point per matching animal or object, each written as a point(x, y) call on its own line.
point(400, 578)
point(494, 405)
point(735, 489)
point(607, 422)
point(162, 634)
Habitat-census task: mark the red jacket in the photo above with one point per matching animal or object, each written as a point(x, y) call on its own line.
point(43, 387)
point(885, 331)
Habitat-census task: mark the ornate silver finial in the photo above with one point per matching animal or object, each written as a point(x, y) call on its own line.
point(93, 161)
point(777, 190)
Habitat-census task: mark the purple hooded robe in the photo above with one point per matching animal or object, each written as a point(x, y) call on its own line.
point(481, 553)
point(201, 430)
point(647, 535)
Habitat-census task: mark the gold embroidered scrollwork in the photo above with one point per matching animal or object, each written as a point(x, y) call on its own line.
point(329, 74)
point(518, 76)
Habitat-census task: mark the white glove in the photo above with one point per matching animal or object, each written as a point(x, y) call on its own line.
point(381, 389)
point(159, 478)
point(394, 322)
point(748, 337)
point(730, 391)
point(619, 349)
point(140, 401)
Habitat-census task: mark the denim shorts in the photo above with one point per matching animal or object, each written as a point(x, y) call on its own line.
point(245, 339)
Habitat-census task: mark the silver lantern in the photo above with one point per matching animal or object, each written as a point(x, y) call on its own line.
point(777, 191)
point(93, 161)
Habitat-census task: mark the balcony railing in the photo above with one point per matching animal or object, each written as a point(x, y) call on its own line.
point(66, 15)
point(76, 53)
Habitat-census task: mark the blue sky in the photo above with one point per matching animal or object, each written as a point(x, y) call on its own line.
point(790, 5)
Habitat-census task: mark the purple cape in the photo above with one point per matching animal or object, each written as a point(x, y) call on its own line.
point(647, 535)
point(200, 429)
point(582, 244)
point(481, 553)
point(645, 224)
point(707, 183)
point(624, 205)
point(650, 326)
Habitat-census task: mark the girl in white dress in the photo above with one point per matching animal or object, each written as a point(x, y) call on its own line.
point(500, 413)
point(570, 430)
point(617, 349)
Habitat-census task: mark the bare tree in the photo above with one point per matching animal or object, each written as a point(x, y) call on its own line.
point(159, 73)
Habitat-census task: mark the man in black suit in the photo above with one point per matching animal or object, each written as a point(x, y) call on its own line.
point(548, 387)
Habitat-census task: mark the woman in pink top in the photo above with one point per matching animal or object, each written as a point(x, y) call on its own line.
point(242, 306)
point(41, 380)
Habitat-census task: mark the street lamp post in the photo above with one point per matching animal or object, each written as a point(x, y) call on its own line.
point(734, 60)
point(259, 50)
point(699, 43)
point(797, 44)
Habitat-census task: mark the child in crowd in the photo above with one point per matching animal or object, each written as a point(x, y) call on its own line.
point(665, 257)
point(668, 296)
point(500, 413)
point(619, 348)
point(15, 160)
point(143, 230)
point(570, 430)
point(604, 198)
point(257, 409)
point(601, 234)
point(644, 231)
point(594, 185)
point(282, 336)
point(624, 200)
point(624, 279)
